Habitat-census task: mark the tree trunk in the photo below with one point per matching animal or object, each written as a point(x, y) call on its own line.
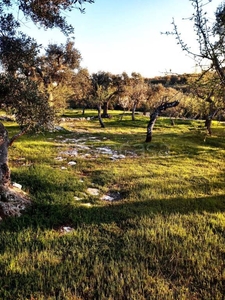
point(154, 116)
point(5, 142)
point(4, 145)
point(172, 121)
point(150, 126)
point(99, 117)
point(212, 113)
point(208, 123)
point(105, 110)
point(133, 110)
point(12, 200)
point(209, 118)
point(122, 115)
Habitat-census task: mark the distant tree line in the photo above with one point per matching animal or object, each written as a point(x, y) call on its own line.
point(131, 93)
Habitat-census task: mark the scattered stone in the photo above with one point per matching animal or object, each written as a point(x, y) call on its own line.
point(63, 168)
point(70, 141)
point(83, 147)
point(77, 198)
point(72, 163)
point(93, 191)
point(117, 156)
point(86, 155)
point(107, 198)
point(111, 196)
point(66, 229)
point(59, 158)
point(17, 185)
point(27, 165)
point(59, 128)
point(12, 202)
point(71, 152)
point(91, 152)
point(105, 150)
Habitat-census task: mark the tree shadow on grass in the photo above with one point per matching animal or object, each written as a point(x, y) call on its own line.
point(71, 270)
point(53, 216)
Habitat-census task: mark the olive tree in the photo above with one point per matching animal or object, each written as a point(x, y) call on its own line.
point(103, 89)
point(160, 99)
point(209, 57)
point(20, 63)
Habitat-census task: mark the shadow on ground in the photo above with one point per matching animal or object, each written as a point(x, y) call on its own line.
point(47, 216)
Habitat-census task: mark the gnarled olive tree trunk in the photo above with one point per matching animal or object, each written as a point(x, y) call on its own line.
point(12, 201)
point(133, 110)
point(5, 142)
point(4, 145)
point(154, 116)
point(105, 110)
point(99, 116)
point(213, 111)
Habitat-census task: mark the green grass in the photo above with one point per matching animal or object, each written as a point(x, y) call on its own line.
point(165, 237)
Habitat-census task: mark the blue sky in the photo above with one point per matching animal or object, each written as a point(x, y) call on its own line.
point(125, 35)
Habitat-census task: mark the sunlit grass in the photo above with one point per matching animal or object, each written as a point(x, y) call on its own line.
point(164, 239)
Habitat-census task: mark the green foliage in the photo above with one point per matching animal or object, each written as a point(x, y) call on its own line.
point(46, 14)
point(31, 84)
point(22, 97)
point(164, 239)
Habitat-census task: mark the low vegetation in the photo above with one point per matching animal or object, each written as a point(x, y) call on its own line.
point(162, 237)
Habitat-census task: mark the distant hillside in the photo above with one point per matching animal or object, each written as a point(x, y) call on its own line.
point(178, 82)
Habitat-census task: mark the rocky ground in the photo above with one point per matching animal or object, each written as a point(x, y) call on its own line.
point(14, 201)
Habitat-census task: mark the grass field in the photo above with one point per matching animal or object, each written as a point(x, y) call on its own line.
point(162, 237)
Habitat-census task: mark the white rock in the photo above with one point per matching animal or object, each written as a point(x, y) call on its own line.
point(70, 152)
point(17, 185)
point(72, 163)
point(59, 128)
point(107, 198)
point(105, 150)
point(93, 191)
point(67, 229)
point(59, 158)
point(117, 156)
point(83, 147)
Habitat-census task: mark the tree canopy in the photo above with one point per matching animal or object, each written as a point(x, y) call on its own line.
point(44, 13)
point(24, 69)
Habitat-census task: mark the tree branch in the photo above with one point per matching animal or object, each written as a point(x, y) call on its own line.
point(16, 136)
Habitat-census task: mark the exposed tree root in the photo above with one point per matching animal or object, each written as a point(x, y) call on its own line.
point(13, 202)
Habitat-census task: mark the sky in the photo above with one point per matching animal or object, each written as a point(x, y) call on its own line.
point(125, 36)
